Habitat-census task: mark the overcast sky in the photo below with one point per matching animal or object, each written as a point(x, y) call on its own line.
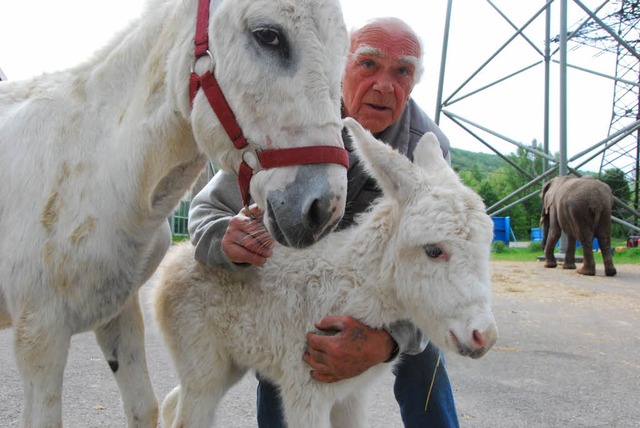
point(42, 35)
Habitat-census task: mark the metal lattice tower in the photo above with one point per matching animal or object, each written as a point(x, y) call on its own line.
point(610, 27)
point(624, 17)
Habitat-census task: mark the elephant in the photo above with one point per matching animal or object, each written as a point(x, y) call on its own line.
point(581, 207)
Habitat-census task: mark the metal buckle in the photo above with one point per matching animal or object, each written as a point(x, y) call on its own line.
point(251, 157)
point(207, 54)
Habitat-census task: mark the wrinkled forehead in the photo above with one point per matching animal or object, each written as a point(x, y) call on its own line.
point(392, 42)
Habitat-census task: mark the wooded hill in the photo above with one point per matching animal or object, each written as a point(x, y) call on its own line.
point(463, 160)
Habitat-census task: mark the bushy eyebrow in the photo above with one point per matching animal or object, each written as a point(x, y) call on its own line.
point(371, 51)
point(367, 50)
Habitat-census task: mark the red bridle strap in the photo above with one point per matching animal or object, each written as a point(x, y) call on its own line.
point(290, 157)
point(213, 92)
point(303, 156)
point(208, 81)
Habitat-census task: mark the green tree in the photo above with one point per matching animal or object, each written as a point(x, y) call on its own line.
point(525, 215)
point(619, 185)
point(487, 193)
point(615, 179)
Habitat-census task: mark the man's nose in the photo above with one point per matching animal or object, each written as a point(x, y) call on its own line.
point(384, 84)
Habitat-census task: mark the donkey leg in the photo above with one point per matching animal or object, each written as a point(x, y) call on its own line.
point(5, 318)
point(350, 412)
point(122, 343)
point(204, 368)
point(194, 402)
point(205, 374)
point(305, 407)
point(41, 350)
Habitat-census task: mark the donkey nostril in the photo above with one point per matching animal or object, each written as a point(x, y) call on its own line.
point(478, 339)
point(313, 214)
point(316, 216)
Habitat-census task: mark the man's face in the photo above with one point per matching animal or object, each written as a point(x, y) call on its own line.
point(379, 76)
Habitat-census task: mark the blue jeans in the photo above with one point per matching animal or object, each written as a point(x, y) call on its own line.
point(414, 378)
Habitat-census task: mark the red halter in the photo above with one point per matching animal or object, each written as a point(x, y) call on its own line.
point(268, 158)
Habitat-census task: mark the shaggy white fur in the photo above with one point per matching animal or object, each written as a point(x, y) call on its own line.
point(422, 253)
point(94, 159)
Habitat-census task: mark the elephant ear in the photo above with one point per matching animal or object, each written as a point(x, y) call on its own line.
point(547, 202)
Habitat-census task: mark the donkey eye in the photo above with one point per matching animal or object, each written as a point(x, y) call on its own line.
point(433, 251)
point(267, 36)
point(273, 40)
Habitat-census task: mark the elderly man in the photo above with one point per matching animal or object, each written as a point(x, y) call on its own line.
point(384, 64)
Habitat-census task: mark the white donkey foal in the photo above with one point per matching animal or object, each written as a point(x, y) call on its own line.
point(94, 159)
point(421, 254)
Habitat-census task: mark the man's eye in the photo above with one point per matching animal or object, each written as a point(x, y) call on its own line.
point(433, 251)
point(367, 63)
point(404, 71)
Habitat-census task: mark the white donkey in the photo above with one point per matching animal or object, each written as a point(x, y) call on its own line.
point(93, 160)
point(421, 254)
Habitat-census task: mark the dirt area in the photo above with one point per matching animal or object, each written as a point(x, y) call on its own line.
point(564, 285)
point(568, 352)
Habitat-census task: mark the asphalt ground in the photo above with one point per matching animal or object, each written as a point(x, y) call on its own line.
point(568, 356)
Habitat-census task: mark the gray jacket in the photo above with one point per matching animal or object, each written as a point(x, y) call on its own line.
point(219, 200)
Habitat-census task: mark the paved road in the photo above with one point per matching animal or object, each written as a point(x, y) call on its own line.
point(568, 356)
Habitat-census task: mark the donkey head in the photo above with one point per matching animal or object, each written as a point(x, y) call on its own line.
point(436, 263)
point(279, 64)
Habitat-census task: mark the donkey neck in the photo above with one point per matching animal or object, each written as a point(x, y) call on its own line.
point(371, 296)
point(138, 87)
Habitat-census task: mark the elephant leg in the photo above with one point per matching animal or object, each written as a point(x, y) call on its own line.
point(570, 254)
point(588, 263)
point(122, 343)
point(550, 247)
point(607, 258)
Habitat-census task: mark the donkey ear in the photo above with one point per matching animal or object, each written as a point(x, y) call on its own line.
point(394, 172)
point(428, 154)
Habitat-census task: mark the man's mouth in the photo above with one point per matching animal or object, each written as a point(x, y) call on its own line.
point(378, 107)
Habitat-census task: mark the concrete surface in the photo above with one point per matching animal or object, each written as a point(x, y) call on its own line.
point(568, 356)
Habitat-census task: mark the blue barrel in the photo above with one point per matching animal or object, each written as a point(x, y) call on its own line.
point(595, 245)
point(536, 234)
point(501, 229)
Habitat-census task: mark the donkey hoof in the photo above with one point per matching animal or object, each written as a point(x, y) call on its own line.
point(569, 266)
point(610, 271)
point(550, 264)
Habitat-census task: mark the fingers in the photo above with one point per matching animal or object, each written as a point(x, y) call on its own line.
point(333, 323)
point(253, 211)
point(320, 372)
point(246, 239)
point(353, 349)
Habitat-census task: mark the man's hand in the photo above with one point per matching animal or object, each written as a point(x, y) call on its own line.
point(352, 348)
point(246, 239)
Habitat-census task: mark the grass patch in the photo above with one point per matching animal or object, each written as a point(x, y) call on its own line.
point(500, 251)
point(179, 238)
